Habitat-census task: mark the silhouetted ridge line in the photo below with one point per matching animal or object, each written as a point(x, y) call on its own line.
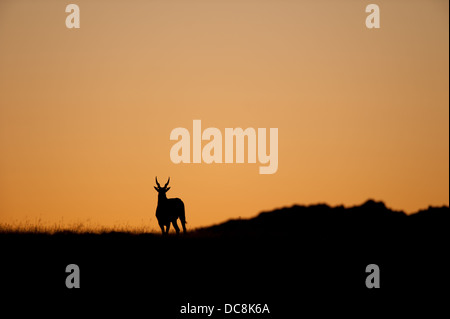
point(323, 220)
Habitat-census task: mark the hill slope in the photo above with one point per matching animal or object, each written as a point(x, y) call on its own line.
point(370, 218)
point(296, 260)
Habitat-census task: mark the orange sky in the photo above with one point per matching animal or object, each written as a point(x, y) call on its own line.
point(86, 114)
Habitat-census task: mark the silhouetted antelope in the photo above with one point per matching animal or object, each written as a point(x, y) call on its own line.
point(169, 210)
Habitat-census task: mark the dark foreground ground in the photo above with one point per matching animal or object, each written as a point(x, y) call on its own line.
point(300, 261)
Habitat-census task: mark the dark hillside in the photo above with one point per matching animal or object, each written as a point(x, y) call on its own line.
point(297, 260)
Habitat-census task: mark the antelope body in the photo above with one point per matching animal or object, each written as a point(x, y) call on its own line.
point(169, 210)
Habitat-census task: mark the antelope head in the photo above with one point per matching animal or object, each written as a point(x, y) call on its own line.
point(162, 190)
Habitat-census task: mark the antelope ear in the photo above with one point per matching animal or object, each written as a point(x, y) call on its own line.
point(167, 189)
point(155, 188)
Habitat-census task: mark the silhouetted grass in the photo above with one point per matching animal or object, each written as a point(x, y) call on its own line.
point(74, 228)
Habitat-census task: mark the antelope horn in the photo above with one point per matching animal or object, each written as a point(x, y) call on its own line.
point(167, 182)
point(156, 179)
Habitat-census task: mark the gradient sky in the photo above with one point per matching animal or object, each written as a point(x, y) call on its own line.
point(86, 114)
